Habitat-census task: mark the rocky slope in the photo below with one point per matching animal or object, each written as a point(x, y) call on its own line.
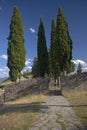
point(75, 81)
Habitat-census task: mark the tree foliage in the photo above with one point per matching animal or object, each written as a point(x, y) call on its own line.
point(35, 68)
point(16, 50)
point(60, 46)
point(54, 63)
point(71, 67)
point(63, 42)
point(42, 53)
point(79, 69)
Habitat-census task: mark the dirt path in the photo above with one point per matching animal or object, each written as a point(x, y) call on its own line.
point(58, 116)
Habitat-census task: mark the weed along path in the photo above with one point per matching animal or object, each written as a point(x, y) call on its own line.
point(59, 115)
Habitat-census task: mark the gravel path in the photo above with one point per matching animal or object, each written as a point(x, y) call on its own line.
point(58, 116)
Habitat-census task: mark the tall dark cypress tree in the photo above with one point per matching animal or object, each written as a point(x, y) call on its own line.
point(16, 50)
point(79, 69)
point(54, 63)
point(63, 42)
point(42, 53)
point(35, 67)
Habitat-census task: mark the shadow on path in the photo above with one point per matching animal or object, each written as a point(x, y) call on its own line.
point(27, 107)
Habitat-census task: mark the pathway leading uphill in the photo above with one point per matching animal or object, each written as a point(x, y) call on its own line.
point(59, 116)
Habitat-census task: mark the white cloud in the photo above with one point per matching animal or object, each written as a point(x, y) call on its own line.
point(32, 30)
point(76, 62)
point(3, 57)
point(84, 69)
point(4, 72)
point(27, 68)
point(28, 61)
point(83, 63)
point(28, 65)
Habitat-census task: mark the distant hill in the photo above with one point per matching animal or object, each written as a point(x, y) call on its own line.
point(2, 79)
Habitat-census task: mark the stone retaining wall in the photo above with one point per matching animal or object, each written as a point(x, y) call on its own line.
point(35, 85)
point(75, 81)
point(38, 85)
point(2, 96)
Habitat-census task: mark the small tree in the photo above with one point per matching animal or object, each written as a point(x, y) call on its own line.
point(16, 50)
point(79, 69)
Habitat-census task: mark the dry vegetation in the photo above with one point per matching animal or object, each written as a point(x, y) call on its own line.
point(29, 99)
point(21, 113)
point(4, 83)
point(53, 87)
point(78, 100)
point(24, 112)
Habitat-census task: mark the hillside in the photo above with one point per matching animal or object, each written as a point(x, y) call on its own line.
point(25, 87)
point(37, 85)
point(21, 97)
point(75, 82)
point(3, 79)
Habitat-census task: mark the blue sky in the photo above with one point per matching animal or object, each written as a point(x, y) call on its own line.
point(75, 12)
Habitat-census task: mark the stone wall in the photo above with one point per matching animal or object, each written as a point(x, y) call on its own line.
point(41, 85)
point(35, 85)
point(2, 96)
point(75, 81)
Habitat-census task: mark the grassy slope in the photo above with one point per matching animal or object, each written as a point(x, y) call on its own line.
point(4, 83)
point(78, 99)
point(27, 118)
point(20, 117)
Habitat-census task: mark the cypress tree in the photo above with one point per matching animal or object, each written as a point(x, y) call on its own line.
point(63, 42)
point(55, 70)
point(16, 50)
point(71, 67)
point(79, 69)
point(42, 53)
point(35, 67)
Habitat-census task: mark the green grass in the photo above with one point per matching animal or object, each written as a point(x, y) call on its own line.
point(78, 99)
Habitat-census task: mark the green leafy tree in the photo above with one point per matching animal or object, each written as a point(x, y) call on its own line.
point(79, 69)
point(63, 42)
point(54, 63)
point(42, 53)
point(16, 50)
